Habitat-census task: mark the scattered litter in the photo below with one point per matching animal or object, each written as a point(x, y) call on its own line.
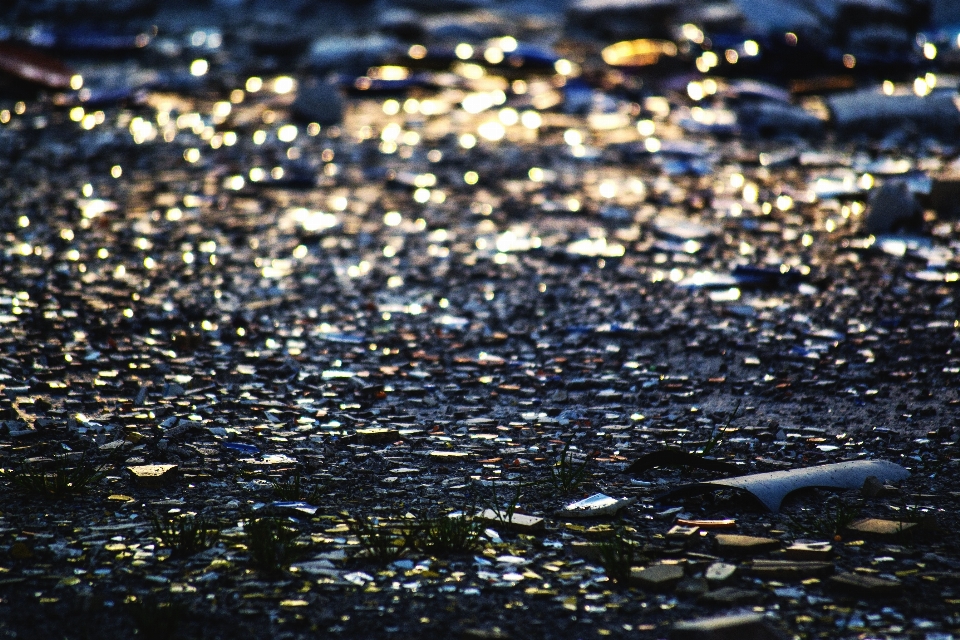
point(301, 301)
point(595, 506)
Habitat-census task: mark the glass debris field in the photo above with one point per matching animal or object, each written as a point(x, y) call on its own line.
point(387, 320)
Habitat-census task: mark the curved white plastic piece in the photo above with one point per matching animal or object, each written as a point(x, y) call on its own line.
point(771, 488)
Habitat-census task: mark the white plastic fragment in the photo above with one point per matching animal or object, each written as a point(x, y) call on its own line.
point(296, 505)
point(596, 505)
point(771, 488)
point(318, 568)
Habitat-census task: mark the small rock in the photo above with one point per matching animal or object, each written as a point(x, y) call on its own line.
point(865, 584)
point(719, 571)
point(680, 532)
point(115, 445)
point(494, 633)
point(872, 487)
point(809, 551)
point(892, 207)
point(153, 474)
point(742, 626)
point(317, 568)
point(878, 527)
point(945, 193)
point(730, 596)
point(320, 103)
point(692, 587)
point(658, 577)
point(173, 390)
point(376, 435)
point(182, 427)
point(586, 550)
point(730, 544)
point(725, 523)
point(790, 570)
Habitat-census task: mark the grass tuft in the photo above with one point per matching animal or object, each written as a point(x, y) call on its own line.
point(381, 541)
point(449, 535)
point(271, 543)
point(717, 438)
point(294, 490)
point(617, 555)
point(566, 474)
point(64, 479)
point(184, 535)
point(830, 521)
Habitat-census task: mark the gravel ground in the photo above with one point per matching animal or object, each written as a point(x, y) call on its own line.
point(251, 364)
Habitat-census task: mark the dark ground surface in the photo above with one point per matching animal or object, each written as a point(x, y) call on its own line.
point(156, 316)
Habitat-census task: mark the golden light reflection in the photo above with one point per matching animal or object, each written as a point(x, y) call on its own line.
point(469, 71)
point(493, 55)
point(531, 119)
point(199, 67)
point(692, 33)
point(637, 53)
point(695, 90)
point(284, 84)
point(388, 72)
point(492, 131)
point(564, 67)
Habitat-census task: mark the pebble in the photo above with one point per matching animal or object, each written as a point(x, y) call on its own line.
point(790, 569)
point(657, 577)
point(743, 626)
point(863, 584)
point(719, 571)
point(809, 551)
point(731, 544)
point(879, 527)
point(150, 475)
